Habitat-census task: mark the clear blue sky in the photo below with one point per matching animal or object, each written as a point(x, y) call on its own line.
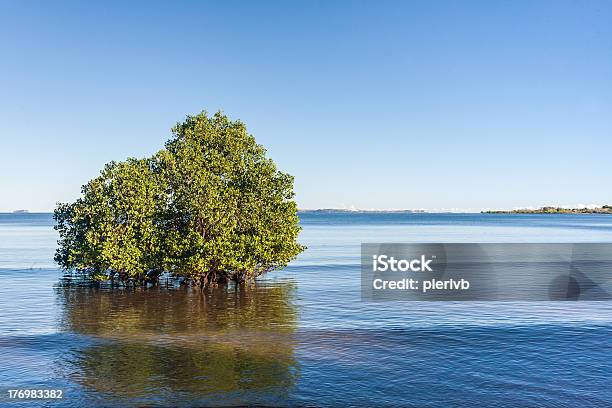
point(429, 104)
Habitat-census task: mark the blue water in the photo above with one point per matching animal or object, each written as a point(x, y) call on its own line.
point(303, 336)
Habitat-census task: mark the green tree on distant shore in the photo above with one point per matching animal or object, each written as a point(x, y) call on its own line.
point(210, 207)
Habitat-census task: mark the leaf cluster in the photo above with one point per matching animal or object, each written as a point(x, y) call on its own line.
point(208, 208)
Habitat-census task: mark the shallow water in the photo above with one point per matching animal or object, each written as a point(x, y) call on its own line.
point(303, 336)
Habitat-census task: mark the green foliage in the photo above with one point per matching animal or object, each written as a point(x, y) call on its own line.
point(210, 207)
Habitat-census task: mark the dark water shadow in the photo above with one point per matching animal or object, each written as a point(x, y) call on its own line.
point(160, 346)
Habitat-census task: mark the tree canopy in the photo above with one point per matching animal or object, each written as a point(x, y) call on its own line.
point(209, 207)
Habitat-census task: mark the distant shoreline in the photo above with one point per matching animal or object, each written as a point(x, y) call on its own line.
point(606, 209)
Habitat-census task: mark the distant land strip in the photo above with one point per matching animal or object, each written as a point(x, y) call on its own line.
point(606, 209)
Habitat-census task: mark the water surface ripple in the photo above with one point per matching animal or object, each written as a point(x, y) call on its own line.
point(302, 336)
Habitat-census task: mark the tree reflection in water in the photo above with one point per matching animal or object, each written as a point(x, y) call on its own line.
point(163, 343)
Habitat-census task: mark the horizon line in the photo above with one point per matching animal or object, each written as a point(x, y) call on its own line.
point(454, 210)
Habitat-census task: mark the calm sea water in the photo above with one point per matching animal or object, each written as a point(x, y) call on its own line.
point(302, 336)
